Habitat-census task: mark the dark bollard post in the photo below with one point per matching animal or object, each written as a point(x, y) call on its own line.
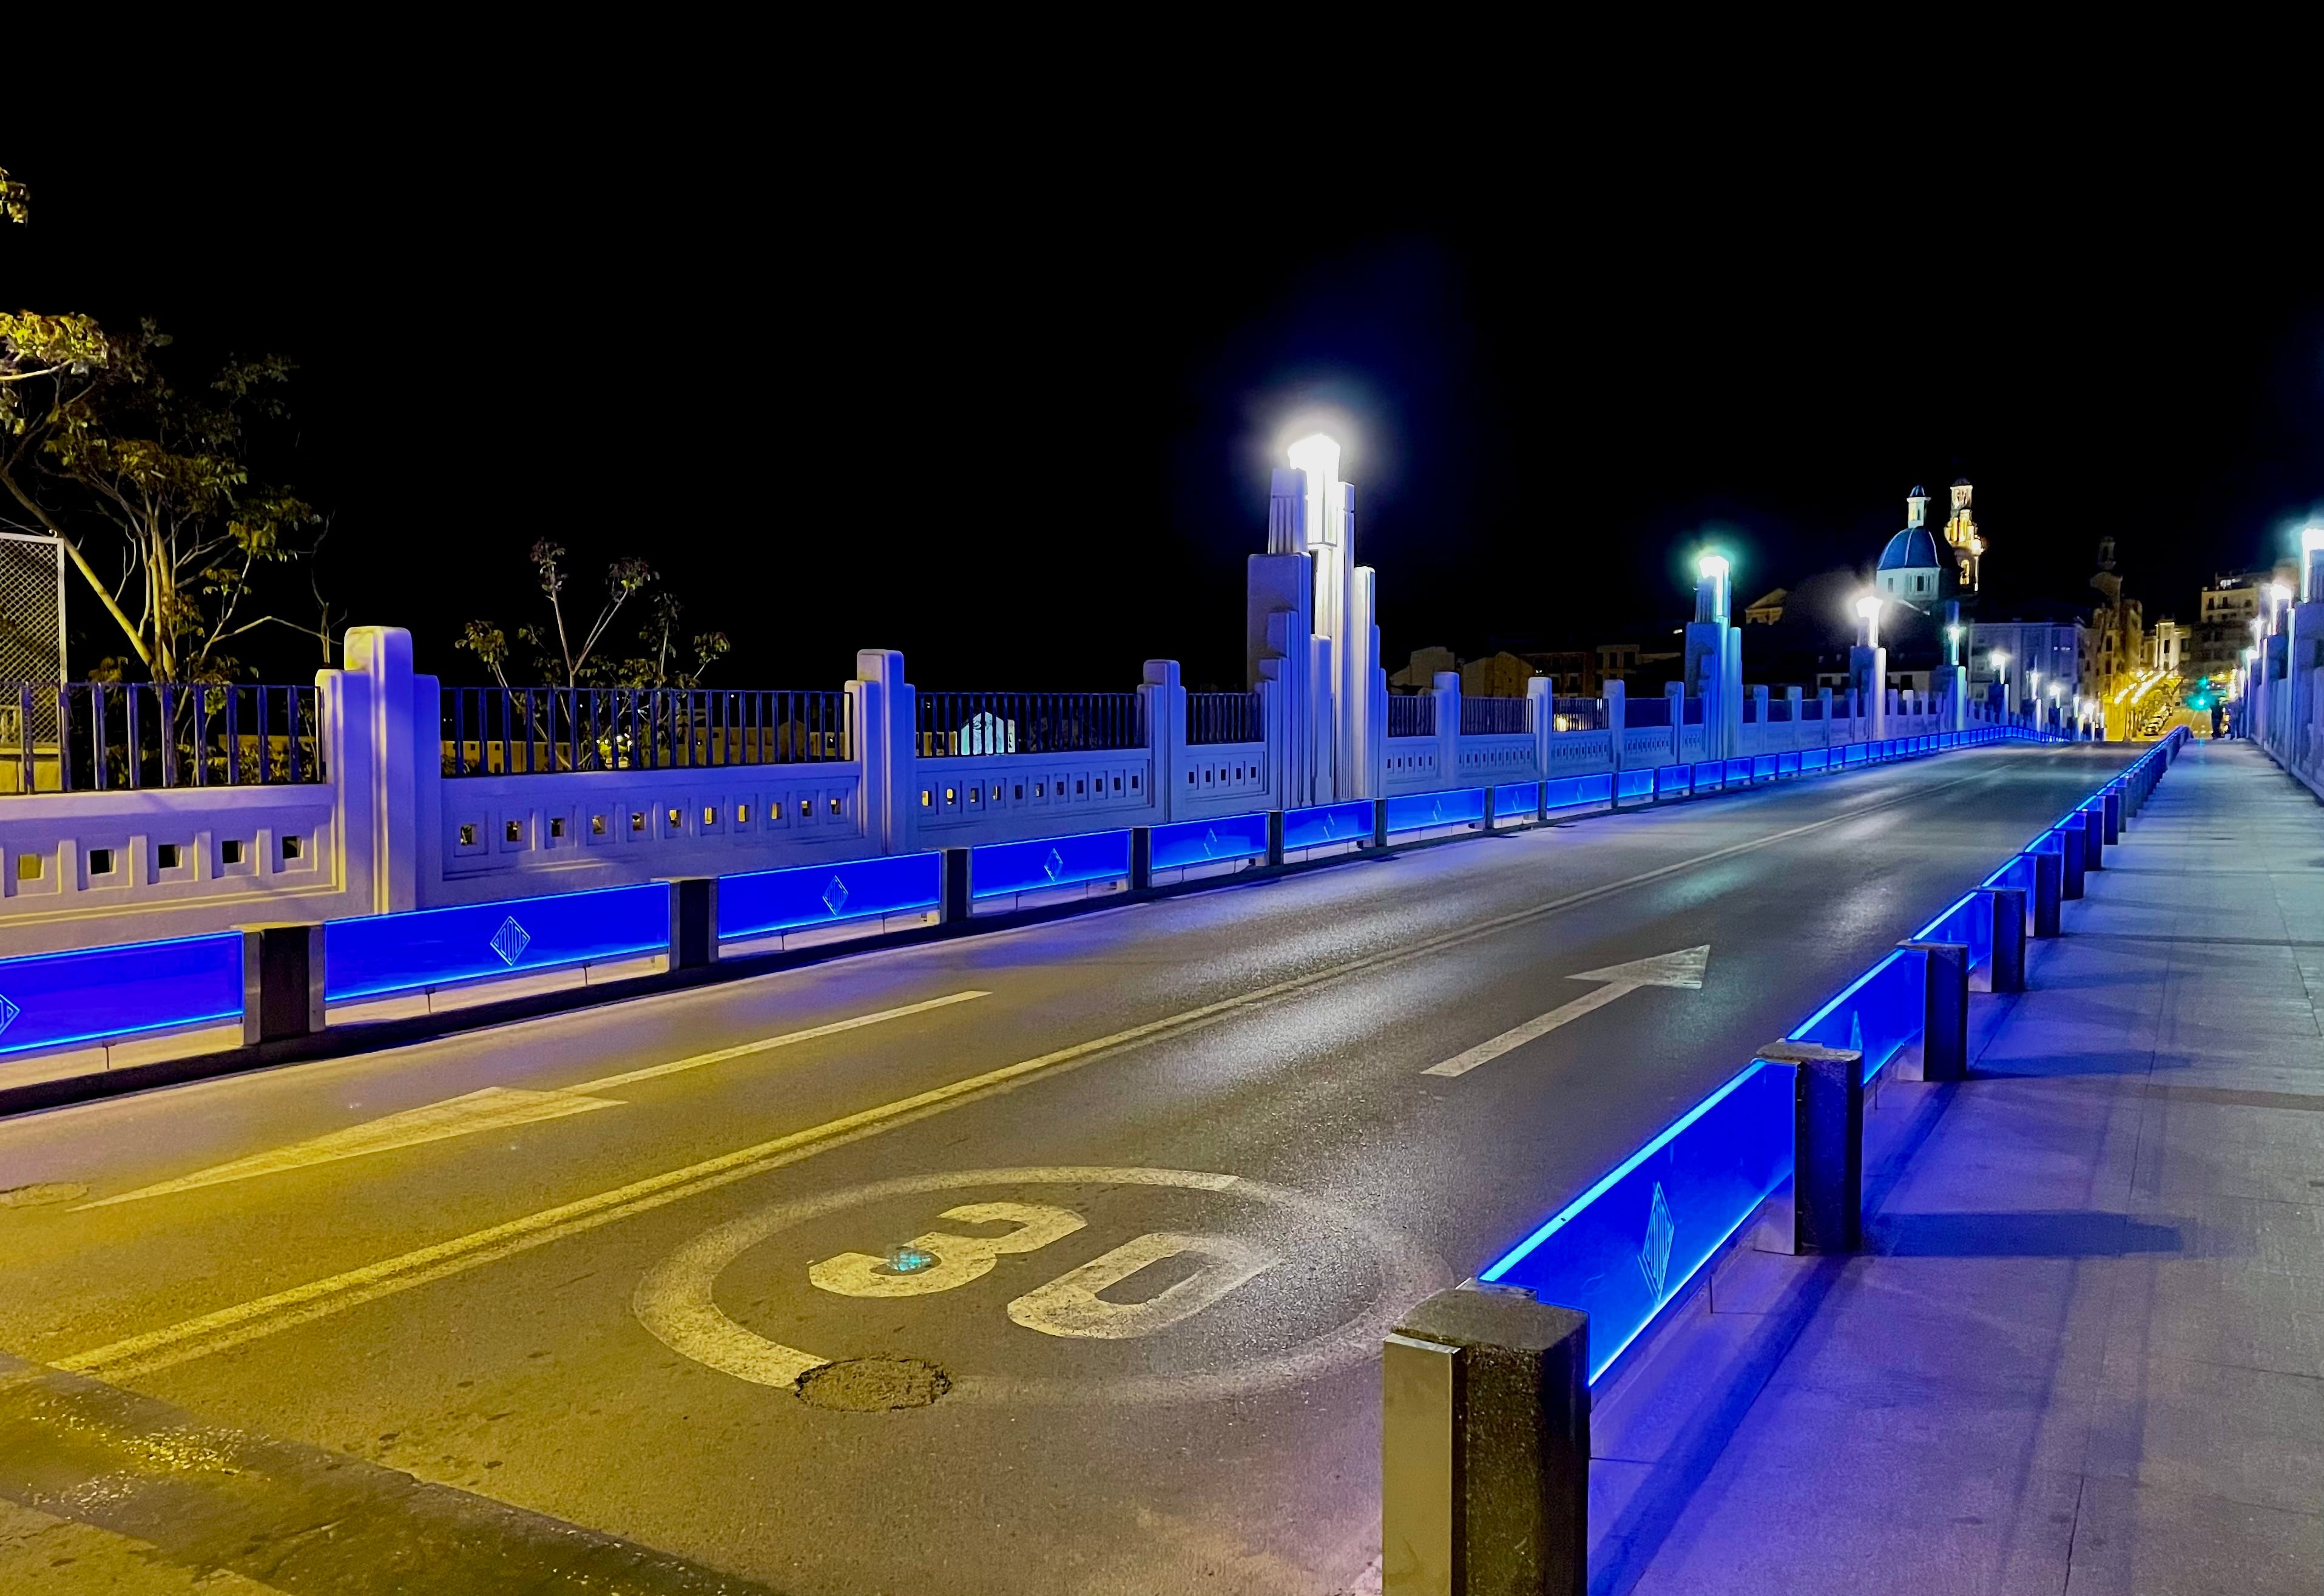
point(282, 982)
point(1379, 823)
point(1488, 807)
point(1944, 1010)
point(1485, 1448)
point(2007, 971)
point(2114, 815)
point(1275, 836)
point(692, 921)
point(2047, 870)
point(2069, 855)
point(957, 902)
point(1826, 1204)
point(1141, 858)
point(2094, 838)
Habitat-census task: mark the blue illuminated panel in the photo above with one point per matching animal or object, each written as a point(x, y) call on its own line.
point(999, 869)
point(1710, 776)
point(1570, 793)
point(1203, 841)
point(763, 902)
point(1878, 1012)
point(1456, 806)
point(1624, 1248)
point(375, 954)
point(1766, 767)
point(59, 999)
point(1968, 922)
point(1637, 784)
point(1326, 824)
point(1813, 759)
point(1674, 780)
point(1516, 797)
point(1738, 773)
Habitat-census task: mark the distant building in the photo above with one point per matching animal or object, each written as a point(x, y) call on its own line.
point(1495, 676)
point(1767, 608)
point(1419, 675)
point(2222, 629)
point(1963, 537)
point(1912, 568)
point(1572, 672)
point(2060, 649)
point(2166, 648)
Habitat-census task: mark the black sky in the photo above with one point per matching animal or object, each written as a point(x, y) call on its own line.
point(1009, 404)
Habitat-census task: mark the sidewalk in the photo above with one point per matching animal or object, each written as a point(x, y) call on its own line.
point(2084, 1349)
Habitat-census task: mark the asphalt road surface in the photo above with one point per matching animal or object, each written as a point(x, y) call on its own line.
point(1050, 1260)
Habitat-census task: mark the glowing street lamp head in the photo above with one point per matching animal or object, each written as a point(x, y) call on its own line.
point(1953, 633)
point(1867, 608)
point(2278, 592)
point(1711, 564)
point(1318, 455)
point(2055, 690)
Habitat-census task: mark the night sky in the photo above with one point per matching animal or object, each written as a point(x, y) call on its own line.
point(1014, 416)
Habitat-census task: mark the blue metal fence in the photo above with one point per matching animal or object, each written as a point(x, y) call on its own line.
point(769, 902)
point(1210, 842)
point(77, 998)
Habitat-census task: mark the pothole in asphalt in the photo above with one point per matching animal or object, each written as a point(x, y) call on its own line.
point(42, 1194)
point(874, 1384)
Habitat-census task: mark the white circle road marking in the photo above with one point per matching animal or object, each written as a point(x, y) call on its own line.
point(675, 1301)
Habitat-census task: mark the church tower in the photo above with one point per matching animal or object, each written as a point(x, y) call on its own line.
point(1961, 534)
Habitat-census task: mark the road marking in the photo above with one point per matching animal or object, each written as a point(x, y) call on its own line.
point(1683, 968)
point(215, 1331)
point(1070, 1306)
point(496, 1108)
point(675, 1300)
point(958, 1259)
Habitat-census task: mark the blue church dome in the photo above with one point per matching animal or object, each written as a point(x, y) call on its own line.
point(1911, 548)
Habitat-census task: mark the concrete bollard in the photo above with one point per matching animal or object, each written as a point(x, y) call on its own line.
point(957, 904)
point(1141, 858)
point(2094, 838)
point(2047, 870)
point(1485, 1448)
point(692, 921)
point(1275, 836)
point(1488, 827)
point(2069, 855)
point(2113, 813)
point(282, 982)
point(1379, 823)
point(2006, 973)
point(1944, 1010)
point(1823, 1209)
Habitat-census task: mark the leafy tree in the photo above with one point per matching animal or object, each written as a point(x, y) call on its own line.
point(558, 657)
point(97, 445)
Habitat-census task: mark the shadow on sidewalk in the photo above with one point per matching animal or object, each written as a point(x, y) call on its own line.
point(2055, 1233)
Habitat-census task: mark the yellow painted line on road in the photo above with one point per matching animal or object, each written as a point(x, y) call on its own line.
point(496, 1108)
point(198, 1337)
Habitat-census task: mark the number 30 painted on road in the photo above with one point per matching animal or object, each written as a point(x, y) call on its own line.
point(1068, 1306)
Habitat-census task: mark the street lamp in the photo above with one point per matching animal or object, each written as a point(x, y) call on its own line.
point(1868, 609)
point(2311, 538)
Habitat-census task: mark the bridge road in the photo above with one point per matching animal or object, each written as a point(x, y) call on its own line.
point(587, 1292)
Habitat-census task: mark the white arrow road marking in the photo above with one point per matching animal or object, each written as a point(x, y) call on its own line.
point(496, 1108)
point(1683, 968)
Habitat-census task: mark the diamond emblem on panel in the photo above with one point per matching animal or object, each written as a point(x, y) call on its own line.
point(1211, 841)
point(835, 895)
point(8, 1012)
point(1654, 1257)
point(1054, 865)
point(511, 941)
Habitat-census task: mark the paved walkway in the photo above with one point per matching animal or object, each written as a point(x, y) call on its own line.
point(2085, 1351)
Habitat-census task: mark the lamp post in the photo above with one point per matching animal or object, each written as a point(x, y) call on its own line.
point(2001, 676)
point(2056, 693)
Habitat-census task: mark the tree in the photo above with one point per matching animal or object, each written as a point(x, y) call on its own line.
point(98, 445)
point(584, 664)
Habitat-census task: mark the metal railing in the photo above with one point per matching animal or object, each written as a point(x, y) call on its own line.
point(539, 731)
point(1646, 712)
point(100, 736)
point(1578, 714)
point(955, 724)
point(1487, 718)
point(1412, 714)
point(1224, 718)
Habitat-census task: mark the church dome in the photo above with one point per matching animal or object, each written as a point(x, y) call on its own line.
point(1918, 492)
point(1911, 549)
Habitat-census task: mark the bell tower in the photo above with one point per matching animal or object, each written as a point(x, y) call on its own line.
point(1968, 544)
